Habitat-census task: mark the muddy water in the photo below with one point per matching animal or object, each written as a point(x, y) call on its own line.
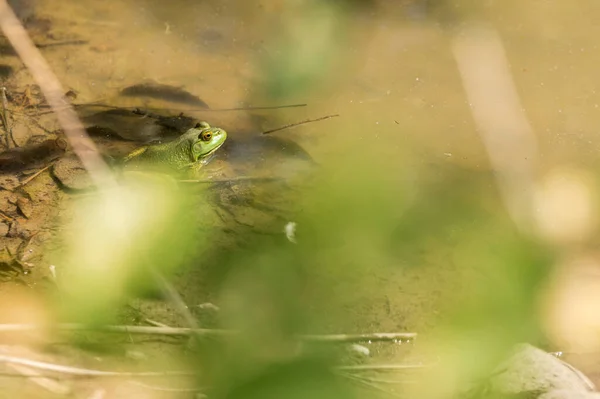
point(398, 87)
point(403, 78)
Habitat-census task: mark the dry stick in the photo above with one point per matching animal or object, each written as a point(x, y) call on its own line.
point(501, 121)
point(7, 127)
point(250, 108)
point(182, 331)
point(231, 180)
point(300, 123)
point(14, 375)
point(63, 43)
point(82, 145)
point(139, 111)
point(173, 296)
point(41, 380)
point(384, 367)
point(33, 176)
point(155, 323)
point(373, 337)
point(82, 372)
point(369, 384)
point(5, 216)
point(380, 380)
point(77, 371)
point(164, 389)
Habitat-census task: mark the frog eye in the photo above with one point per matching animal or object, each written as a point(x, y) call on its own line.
point(206, 136)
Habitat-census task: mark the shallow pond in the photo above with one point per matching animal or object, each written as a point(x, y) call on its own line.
point(403, 116)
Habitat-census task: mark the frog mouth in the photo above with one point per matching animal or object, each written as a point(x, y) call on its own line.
point(206, 158)
point(211, 152)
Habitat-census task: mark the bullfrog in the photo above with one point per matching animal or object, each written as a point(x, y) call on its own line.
point(193, 148)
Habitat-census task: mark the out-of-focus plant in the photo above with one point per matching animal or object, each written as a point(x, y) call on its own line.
point(118, 240)
point(309, 44)
point(363, 219)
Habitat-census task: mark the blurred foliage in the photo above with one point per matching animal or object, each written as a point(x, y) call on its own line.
point(310, 42)
point(117, 241)
point(368, 216)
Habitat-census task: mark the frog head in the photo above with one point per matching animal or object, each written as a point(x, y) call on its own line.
point(205, 140)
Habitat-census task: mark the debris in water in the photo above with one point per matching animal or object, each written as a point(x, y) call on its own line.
point(208, 306)
point(290, 231)
point(300, 123)
point(52, 271)
point(363, 350)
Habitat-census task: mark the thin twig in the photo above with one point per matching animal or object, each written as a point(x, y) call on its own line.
point(145, 111)
point(380, 380)
point(5, 122)
point(300, 123)
point(257, 108)
point(87, 372)
point(39, 379)
point(175, 298)
point(230, 180)
point(382, 367)
point(360, 337)
point(63, 43)
point(369, 384)
point(498, 112)
point(83, 372)
point(182, 331)
point(164, 389)
point(121, 329)
point(33, 176)
point(5, 216)
point(82, 145)
point(15, 375)
point(155, 323)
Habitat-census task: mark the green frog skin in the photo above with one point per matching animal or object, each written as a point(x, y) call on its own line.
point(194, 147)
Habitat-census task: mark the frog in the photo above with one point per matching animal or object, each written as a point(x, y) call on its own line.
point(193, 149)
point(189, 152)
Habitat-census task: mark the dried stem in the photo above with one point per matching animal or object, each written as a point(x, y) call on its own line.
point(180, 331)
point(300, 123)
point(147, 111)
point(82, 145)
point(383, 367)
point(164, 389)
point(33, 176)
point(231, 180)
point(155, 323)
point(5, 122)
point(82, 372)
point(369, 384)
point(501, 121)
point(39, 379)
point(176, 300)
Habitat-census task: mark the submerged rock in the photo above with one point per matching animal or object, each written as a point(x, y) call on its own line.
point(70, 174)
point(533, 373)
